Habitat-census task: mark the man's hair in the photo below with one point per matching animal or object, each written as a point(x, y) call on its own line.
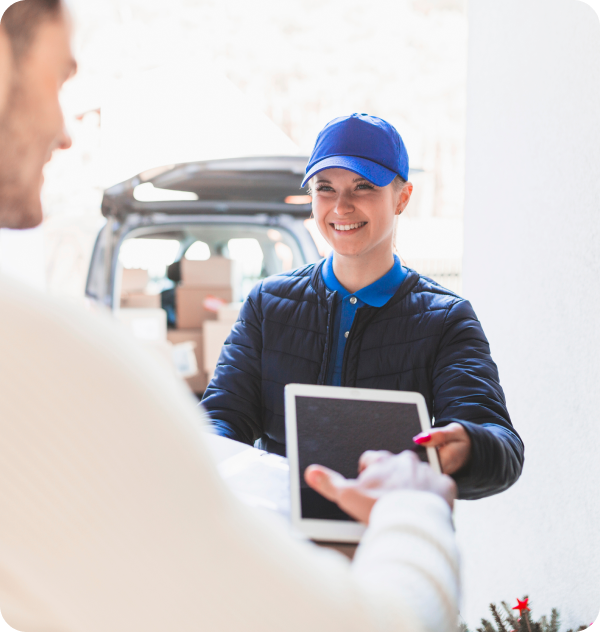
point(21, 20)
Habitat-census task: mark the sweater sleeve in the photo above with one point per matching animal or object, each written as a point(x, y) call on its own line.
point(114, 516)
point(233, 397)
point(409, 551)
point(466, 389)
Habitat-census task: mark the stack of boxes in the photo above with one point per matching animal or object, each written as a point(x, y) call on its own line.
point(133, 291)
point(141, 312)
point(204, 312)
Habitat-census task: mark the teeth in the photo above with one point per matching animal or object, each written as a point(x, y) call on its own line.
point(348, 226)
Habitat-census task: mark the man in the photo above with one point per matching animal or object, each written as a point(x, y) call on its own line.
point(113, 514)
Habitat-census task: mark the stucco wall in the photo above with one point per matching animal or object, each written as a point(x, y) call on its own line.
point(532, 272)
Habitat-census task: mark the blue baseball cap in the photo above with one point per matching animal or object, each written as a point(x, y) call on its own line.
point(361, 143)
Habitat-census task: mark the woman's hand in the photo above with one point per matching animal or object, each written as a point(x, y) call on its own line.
point(381, 473)
point(453, 444)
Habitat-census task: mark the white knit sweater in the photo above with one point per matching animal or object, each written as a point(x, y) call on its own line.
point(113, 517)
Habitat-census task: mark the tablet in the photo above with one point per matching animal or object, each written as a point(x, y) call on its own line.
point(333, 426)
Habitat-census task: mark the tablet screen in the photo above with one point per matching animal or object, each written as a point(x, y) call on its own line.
point(335, 432)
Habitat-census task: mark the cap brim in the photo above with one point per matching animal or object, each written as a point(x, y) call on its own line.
point(373, 172)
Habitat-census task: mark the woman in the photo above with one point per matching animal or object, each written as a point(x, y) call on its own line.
point(359, 318)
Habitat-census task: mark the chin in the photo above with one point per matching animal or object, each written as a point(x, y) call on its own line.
point(22, 214)
point(32, 220)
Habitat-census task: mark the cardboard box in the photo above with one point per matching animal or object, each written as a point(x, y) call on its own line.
point(134, 281)
point(197, 383)
point(149, 325)
point(190, 307)
point(215, 334)
point(229, 313)
point(216, 272)
point(141, 301)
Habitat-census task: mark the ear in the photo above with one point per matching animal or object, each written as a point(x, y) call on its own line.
point(6, 64)
point(404, 198)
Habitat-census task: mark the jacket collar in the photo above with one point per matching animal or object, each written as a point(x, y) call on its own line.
point(318, 285)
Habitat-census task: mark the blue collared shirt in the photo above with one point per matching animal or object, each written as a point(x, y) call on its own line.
point(346, 304)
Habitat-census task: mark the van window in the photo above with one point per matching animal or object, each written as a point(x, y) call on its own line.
point(198, 251)
point(153, 255)
point(249, 257)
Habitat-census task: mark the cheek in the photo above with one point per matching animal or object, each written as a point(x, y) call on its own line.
point(45, 105)
point(320, 211)
point(382, 224)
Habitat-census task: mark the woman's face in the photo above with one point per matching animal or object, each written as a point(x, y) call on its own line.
point(355, 216)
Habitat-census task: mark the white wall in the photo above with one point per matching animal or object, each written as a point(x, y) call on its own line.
point(532, 271)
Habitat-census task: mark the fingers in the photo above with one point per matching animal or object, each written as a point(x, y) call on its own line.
point(346, 494)
point(357, 503)
point(454, 456)
point(325, 481)
point(370, 457)
point(437, 437)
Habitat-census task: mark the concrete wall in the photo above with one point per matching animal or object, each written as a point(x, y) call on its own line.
point(532, 272)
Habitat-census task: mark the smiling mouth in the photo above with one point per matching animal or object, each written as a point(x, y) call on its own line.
point(344, 227)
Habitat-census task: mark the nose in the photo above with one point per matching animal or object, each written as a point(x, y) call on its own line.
point(344, 205)
point(64, 140)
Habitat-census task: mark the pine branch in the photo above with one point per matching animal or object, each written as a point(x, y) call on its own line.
point(498, 618)
point(523, 627)
point(527, 623)
point(487, 626)
point(510, 617)
point(554, 621)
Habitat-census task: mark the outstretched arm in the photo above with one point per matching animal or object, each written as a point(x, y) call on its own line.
point(115, 517)
point(473, 431)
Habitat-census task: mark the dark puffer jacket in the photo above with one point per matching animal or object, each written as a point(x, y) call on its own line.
point(425, 339)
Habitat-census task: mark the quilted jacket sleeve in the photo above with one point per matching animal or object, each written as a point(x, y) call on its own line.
point(233, 397)
point(466, 389)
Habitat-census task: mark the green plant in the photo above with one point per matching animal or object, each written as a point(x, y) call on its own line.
point(505, 620)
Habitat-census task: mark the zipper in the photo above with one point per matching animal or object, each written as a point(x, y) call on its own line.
point(347, 346)
point(330, 302)
point(369, 313)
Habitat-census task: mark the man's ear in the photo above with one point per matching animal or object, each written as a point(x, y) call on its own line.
point(6, 66)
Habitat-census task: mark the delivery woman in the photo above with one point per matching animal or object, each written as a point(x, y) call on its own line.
point(359, 318)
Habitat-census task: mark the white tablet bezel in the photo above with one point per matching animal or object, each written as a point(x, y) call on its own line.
point(338, 530)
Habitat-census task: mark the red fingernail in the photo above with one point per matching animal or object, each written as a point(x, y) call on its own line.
point(420, 439)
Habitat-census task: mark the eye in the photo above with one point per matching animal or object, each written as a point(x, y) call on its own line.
point(324, 187)
point(365, 185)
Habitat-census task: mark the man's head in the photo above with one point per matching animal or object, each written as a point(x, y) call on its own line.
point(35, 61)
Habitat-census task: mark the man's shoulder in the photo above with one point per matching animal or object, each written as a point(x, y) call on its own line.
point(71, 350)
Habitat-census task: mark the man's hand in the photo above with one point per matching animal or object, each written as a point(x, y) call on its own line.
point(381, 474)
point(453, 444)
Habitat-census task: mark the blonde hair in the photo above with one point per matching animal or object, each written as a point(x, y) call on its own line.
point(398, 183)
